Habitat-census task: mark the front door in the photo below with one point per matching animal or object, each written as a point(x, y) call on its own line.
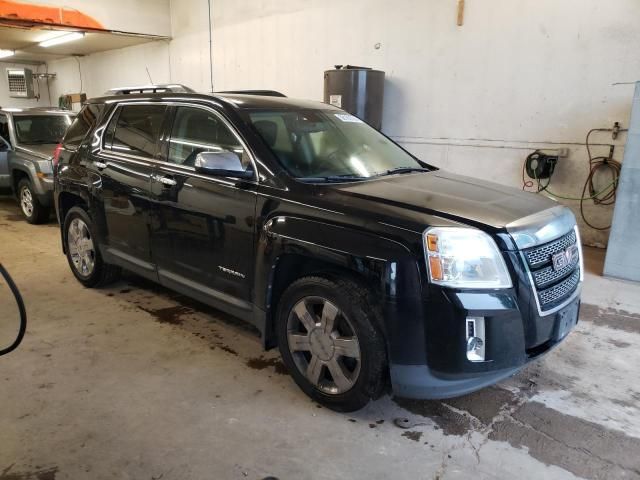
point(203, 226)
point(124, 166)
point(5, 147)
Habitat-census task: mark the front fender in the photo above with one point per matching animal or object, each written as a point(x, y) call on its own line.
point(18, 162)
point(387, 266)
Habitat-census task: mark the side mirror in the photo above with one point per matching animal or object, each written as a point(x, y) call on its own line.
point(13, 316)
point(221, 164)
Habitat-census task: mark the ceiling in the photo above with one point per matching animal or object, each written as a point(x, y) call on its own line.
point(24, 40)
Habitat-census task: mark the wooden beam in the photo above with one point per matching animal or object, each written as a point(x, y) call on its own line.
point(460, 12)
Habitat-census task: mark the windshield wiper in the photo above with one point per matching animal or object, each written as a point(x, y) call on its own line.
point(332, 178)
point(399, 170)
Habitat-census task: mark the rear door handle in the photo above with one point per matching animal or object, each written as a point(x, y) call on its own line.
point(165, 180)
point(100, 165)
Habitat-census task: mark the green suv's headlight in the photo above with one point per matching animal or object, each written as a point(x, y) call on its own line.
point(464, 258)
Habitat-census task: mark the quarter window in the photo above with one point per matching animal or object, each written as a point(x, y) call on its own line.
point(137, 129)
point(84, 122)
point(196, 130)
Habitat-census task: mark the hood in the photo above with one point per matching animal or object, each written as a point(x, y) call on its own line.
point(457, 197)
point(44, 150)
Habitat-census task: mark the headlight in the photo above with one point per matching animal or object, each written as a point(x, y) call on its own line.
point(45, 167)
point(464, 258)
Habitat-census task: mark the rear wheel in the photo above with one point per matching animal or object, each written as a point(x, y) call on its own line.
point(83, 253)
point(33, 211)
point(330, 342)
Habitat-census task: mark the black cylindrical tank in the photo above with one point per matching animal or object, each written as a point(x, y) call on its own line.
point(358, 90)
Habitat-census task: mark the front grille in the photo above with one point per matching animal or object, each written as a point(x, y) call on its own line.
point(547, 275)
point(559, 291)
point(537, 256)
point(552, 286)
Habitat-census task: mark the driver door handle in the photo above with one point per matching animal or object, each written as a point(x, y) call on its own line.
point(165, 180)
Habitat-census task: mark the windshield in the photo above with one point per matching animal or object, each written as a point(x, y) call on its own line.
point(36, 129)
point(325, 144)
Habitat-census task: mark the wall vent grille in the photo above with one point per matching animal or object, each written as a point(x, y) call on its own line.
point(20, 81)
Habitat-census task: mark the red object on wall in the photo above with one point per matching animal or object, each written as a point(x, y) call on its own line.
point(47, 15)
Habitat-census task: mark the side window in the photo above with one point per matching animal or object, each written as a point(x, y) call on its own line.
point(136, 130)
point(4, 129)
point(83, 123)
point(197, 130)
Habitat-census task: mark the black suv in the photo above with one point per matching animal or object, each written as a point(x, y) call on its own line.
point(367, 267)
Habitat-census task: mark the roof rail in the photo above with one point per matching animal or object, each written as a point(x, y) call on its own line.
point(171, 88)
point(265, 93)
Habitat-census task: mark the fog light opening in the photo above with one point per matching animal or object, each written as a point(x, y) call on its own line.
point(475, 339)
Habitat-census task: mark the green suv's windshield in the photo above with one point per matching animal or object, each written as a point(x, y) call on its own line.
point(37, 129)
point(329, 145)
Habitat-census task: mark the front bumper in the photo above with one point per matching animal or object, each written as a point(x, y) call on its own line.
point(46, 198)
point(510, 344)
point(418, 381)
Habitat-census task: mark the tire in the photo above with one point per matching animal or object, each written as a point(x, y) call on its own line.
point(32, 210)
point(83, 252)
point(312, 355)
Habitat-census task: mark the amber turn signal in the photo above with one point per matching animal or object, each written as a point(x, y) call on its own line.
point(432, 242)
point(435, 266)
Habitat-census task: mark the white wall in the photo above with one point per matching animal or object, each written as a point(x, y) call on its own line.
point(7, 101)
point(110, 69)
point(476, 99)
point(189, 48)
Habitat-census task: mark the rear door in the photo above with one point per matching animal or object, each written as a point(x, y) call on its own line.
point(203, 226)
point(124, 165)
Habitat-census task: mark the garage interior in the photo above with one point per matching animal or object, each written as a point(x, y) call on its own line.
point(133, 380)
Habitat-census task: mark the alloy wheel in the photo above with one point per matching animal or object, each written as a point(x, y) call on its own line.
point(324, 345)
point(26, 202)
point(81, 248)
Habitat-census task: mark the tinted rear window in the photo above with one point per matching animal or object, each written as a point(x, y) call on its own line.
point(137, 129)
point(83, 123)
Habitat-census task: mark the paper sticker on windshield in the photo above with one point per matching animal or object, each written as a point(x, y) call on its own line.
point(345, 117)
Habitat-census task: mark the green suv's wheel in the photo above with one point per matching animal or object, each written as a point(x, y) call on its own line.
point(330, 342)
point(33, 211)
point(82, 250)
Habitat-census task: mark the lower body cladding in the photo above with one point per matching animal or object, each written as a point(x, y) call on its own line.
point(473, 340)
point(45, 198)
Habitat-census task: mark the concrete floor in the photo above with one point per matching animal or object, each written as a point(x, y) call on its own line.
point(135, 382)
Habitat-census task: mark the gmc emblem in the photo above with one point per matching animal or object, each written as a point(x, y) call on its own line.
point(566, 257)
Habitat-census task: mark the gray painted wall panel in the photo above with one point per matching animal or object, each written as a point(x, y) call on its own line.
point(623, 252)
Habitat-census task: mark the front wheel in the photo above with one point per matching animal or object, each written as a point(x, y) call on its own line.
point(82, 250)
point(329, 340)
point(34, 212)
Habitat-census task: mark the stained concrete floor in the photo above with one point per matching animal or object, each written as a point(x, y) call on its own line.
point(135, 382)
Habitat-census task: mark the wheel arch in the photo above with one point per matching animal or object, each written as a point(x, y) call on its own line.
point(290, 249)
point(65, 202)
point(17, 174)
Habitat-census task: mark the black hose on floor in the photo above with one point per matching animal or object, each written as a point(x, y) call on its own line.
point(21, 308)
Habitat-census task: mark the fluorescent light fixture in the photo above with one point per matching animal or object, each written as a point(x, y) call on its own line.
point(67, 37)
point(6, 53)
